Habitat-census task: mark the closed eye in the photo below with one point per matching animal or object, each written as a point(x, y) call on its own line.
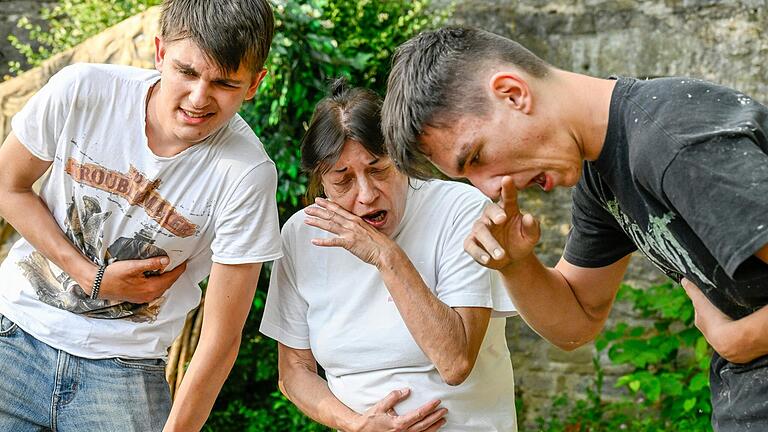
point(475, 159)
point(227, 85)
point(342, 182)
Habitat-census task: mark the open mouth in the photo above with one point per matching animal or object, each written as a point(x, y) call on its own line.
point(540, 180)
point(376, 219)
point(193, 116)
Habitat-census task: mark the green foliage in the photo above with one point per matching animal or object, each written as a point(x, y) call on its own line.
point(668, 387)
point(69, 23)
point(316, 41)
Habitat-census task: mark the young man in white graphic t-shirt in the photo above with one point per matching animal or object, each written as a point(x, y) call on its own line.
point(155, 183)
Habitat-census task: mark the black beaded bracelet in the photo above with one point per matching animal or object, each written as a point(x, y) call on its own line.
point(97, 282)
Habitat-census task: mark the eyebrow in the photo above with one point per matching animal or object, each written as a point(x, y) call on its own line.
point(372, 162)
point(220, 79)
point(461, 159)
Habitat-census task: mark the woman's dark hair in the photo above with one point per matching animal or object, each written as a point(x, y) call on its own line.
point(345, 114)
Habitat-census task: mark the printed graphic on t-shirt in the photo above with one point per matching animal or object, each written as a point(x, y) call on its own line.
point(135, 188)
point(84, 226)
point(658, 244)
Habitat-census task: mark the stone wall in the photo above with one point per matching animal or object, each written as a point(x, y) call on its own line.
point(722, 41)
point(718, 40)
point(10, 12)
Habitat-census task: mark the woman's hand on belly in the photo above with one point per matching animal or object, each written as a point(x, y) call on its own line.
point(383, 418)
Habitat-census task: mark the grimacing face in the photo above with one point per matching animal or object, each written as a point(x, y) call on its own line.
point(486, 149)
point(195, 98)
point(367, 186)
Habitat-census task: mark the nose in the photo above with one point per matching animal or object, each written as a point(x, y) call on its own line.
point(489, 186)
point(367, 191)
point(199, 94)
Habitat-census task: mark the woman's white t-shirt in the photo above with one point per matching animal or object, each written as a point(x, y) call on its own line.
point(329, 301)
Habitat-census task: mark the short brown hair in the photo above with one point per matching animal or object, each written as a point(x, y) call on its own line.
point(229, 32)
point(433, 81)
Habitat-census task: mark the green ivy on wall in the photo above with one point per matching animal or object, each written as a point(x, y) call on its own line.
point(668, 383)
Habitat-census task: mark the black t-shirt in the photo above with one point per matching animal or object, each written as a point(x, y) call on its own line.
point(682, 176)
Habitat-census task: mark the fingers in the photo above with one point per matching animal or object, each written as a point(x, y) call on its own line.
point(151, 264)
point(323, 224)
point(494, 213)
point(485, 240)
point(389, 402)
point(440, 423)
point(694, 293)
point(432, 422)
point(689, 286)
point(329, 242)
point(334, 208)
point(509, 197)
point(327, 220)
point(475, 251)
point(319, 212)
point(171, 276)
point(420, 413)
point(531, 228)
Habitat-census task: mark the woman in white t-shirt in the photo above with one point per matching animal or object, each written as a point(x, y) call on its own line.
point(376, 288)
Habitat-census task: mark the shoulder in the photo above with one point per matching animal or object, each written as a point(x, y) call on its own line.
point(89, 85)
point(295, 231)
point(446, 190)
point(448, 196)
point(239, 142)
point(679, 104)
point(93, 75)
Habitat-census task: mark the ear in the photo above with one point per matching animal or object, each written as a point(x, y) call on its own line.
point(159, 53)
point(513, 90)
point(257, 79)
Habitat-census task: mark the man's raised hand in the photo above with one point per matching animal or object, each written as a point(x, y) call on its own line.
point(502, 235)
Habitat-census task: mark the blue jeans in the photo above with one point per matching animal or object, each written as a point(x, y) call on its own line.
point(45, 389)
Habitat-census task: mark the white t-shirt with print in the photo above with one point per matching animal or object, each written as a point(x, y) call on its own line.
point(116, 200)
point(329, 301)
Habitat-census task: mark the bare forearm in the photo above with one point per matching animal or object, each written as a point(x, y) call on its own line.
point(437, 328)
point(548, 304)
point(209, 368)
point(310, 393)
point(29, 215)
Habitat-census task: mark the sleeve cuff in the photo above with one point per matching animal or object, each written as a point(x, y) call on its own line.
point(246, 260)
point(274, 332)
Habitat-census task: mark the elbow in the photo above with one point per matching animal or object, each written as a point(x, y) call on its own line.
point(570, 345)
point(281, 386)
point(575, 341)
point(457, 372)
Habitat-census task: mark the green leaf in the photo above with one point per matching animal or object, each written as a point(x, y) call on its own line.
point(689, 404)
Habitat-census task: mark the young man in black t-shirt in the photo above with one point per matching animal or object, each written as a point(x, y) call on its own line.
point(674, 167)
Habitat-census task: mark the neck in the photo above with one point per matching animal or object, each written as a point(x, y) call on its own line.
point(585, 103)
point(151, 129)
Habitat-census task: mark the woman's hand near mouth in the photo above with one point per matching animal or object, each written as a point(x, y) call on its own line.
point(353, 233)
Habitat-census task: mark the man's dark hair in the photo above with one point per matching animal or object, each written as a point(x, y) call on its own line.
point(346, 114)
point(434, 81)
point(229, 32)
